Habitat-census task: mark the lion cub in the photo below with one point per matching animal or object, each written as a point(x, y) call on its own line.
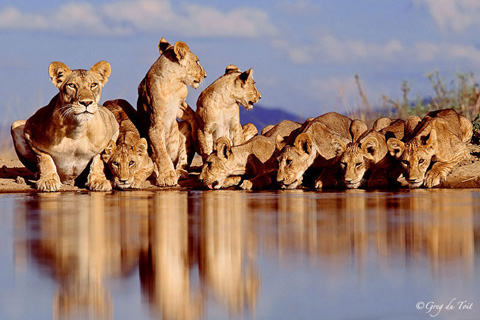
point(314, 146)
point(127, 158)
point(437, 145)
point(218, 113)
point(161, 100)
point(253, 163)
point(65, 138)
point(366, 160)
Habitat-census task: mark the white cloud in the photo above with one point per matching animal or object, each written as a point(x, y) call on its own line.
point(329, 49)
point(455, 15)
point(132, 16)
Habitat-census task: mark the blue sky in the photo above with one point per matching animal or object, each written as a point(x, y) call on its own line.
point(304, 53)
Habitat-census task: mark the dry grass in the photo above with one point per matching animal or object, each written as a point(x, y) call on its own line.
point(461, 94)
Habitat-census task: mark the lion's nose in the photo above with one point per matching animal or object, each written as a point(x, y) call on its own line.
point(86, 103)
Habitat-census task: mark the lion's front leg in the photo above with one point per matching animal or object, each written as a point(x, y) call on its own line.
point(182, 163)
point(205, 141)
point(166, 175)
point(141, 176)
point(49, 179)
point(438, 173)
point(236, 134)
point(97, 181)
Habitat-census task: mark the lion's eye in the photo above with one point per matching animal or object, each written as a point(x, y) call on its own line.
point(198, 62)
point(405, 162)
point(421, 161)
point(209, 164)
point(115, 163)
point(71, 86)
point(288, 162)
point(358, 164)
point(131, 163)
point(94, 85)
point(343, 164)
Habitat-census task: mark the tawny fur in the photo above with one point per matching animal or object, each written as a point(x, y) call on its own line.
point(436, 146)
point(161, 100)
point(218, 112)
point(61, 139)
point(127, 158)
point(252, 164)
point(314, 146)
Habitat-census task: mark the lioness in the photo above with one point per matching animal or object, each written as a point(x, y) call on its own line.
point(127, 158)
point(218, 113)
point(253, 162)
point(161, 99)
point(367, 161)
point(314, 146)
point(438, 144)
point(61, 139)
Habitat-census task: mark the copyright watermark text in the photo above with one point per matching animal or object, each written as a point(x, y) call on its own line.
point(433, 308)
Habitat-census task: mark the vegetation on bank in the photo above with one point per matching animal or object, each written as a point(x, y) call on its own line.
point(461, 94)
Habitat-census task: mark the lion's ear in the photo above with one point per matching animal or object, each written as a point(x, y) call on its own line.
point(163, 45)
point(432, 140)
point(223, 147)
point(109, 150)
point(58, 71)
point(243, 77)
point(339, 146)
point(181, 50)
point(231, 68)
point(370, 147)
point(280, 142)
point(303, 143)
point(395, 147)
point(141, 147)
point(103, 69)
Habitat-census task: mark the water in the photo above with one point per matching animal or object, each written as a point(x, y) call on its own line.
point(241, 255)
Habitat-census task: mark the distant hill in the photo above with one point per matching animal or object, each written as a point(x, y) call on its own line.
point(261, 116)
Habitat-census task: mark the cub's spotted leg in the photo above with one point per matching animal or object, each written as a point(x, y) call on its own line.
point(97, 181)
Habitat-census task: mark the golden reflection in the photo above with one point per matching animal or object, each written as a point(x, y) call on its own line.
point(196, 248)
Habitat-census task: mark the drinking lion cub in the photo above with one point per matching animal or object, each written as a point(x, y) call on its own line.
point(253, 162)
point(64, 138)
point(440, 138)
point(218, 113)
point(127, 158)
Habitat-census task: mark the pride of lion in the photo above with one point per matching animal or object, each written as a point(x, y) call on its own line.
point(76, 141)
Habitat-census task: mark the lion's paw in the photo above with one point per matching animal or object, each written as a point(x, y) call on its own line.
point(434, 178)
point(318, 184)
point(246, 185)
point(49, 184)
point(136, 184)
point(182, 174)
point(99, 184)
point(167, 179)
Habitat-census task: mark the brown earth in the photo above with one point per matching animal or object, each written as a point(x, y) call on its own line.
point(15, 178)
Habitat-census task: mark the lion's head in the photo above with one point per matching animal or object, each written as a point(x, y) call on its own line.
point(415, 156)
point(357, 157)
point(126, 162)
point(186, 63)
point(219, 165)
point(80, 89)
point(244, 90)
point(294, 161)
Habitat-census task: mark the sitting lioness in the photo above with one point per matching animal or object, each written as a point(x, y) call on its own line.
point(366, 161)
point(161, 99)
point(218, 113)
point(314, 146)
point(437, 145)
point(127, 158)
point(253, 163)
point(66, 137)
